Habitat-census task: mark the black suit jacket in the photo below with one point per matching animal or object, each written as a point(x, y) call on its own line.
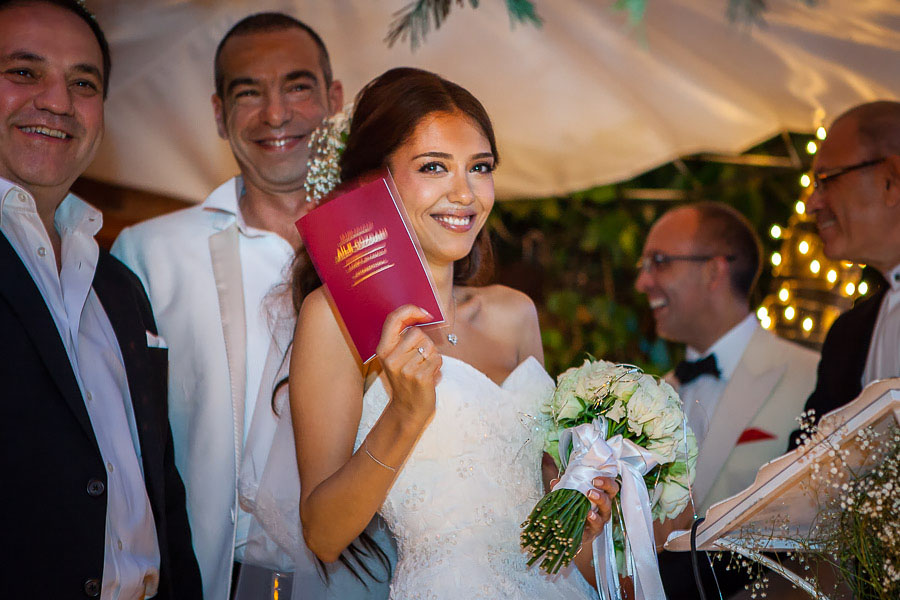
point(844, 353)
point(53, 506)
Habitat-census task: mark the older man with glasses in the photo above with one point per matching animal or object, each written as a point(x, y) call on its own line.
point(856, 202)
point(742, 386)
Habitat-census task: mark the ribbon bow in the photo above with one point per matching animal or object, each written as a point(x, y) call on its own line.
point(594, 456)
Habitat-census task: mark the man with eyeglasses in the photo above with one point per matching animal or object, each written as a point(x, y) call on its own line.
point(856, 202)
point(741, 385)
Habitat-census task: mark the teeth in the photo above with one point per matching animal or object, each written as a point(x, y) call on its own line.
point(657, 303)
point(279, 143)
point(457, 221)
point(46, 131)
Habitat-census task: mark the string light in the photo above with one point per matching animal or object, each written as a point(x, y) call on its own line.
point(863, 288)
point(820, 133)
point(783, 294)
point(775, 232)
point(766, 322)
point(800, 207)
point(814, 266)
point(776, 258)
point(807, 324)
point(831, 276)
point(803, 247)
point(811, 147)
point(762, 313)
point(790, 313)
point(804, 181)
point(849, 288)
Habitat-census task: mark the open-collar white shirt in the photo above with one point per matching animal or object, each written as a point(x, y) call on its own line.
point(701, 396)
point(883, 360)
point(131, 553)
point(265, 264)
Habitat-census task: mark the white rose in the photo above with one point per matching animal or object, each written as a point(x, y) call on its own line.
point(672, 500)
point(646, 403)
point(568, 407)
point(564, 404)
point(665, 424)
point(624, 387)
point(616, 412)
point(666, 447)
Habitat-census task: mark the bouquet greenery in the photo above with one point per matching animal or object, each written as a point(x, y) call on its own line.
point(636, 423)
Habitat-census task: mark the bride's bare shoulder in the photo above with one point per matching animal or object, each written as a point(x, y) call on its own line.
point(508, 314)
point(317, 314)
point(505, 302)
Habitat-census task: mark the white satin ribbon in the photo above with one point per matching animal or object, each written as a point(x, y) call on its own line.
point(594, 456)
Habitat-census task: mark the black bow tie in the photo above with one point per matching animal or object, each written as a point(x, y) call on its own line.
point(687, 370)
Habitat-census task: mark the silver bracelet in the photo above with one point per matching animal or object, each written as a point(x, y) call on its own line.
point(366, 449)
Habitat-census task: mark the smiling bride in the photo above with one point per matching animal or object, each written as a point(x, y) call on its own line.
point(442, 434)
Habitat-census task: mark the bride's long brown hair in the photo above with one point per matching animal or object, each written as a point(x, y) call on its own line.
point(388, 109)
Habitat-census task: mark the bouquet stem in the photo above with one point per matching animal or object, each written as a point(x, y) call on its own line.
point(554, 528)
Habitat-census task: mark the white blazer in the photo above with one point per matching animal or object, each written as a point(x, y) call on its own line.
point(190, 265)
point(766, 393)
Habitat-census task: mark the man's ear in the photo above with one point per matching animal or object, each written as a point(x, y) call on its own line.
point(892, 183)
point(719, 272)
point(219, 112)
point(335, 97)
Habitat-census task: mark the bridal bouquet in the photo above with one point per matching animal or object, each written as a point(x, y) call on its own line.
point(615, 421)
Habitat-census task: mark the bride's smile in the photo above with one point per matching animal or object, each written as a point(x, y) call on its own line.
point(444, 174)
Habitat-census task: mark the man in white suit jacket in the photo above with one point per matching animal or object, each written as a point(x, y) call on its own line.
point(213, 273)
point(742, 386)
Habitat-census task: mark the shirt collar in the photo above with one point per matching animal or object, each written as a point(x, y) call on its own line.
point(729, 348)
point(226, 199)
point(72, 214)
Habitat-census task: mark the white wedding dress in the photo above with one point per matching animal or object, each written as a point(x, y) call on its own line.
point(475, 474)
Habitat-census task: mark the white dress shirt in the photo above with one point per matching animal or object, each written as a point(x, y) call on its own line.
point(265, 263)
point(701, 395)
point(131, 554)
point(883, 360)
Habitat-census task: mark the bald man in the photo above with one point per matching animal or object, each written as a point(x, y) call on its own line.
point(856, 202)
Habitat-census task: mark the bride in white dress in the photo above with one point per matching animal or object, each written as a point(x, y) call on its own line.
point(443, 433)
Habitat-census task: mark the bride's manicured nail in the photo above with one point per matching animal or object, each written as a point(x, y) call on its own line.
point(594, 495)
point(592, 516)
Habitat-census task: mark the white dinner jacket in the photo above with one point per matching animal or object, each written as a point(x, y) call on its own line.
point(190, 265)
point(766, 392)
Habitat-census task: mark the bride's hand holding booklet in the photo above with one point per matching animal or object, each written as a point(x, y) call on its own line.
point(367, 256)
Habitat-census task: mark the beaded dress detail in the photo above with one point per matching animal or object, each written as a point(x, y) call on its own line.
point(473, 477)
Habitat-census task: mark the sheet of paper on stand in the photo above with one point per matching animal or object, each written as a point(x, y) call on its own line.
point(783, 502)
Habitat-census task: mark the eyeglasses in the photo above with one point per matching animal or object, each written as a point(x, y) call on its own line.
point(819, 179)
point(658, 260)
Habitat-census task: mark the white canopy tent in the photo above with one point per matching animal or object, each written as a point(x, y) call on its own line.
point(584, 100)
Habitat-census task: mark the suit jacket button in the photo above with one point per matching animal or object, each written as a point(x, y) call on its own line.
point(92, 587)
point(95, 488)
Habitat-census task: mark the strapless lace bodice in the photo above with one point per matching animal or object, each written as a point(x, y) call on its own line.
point(473, 477)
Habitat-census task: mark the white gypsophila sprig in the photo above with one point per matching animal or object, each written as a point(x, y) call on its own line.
point(857, 528)
point(327, 142)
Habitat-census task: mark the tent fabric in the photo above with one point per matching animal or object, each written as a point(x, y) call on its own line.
point(584, 100)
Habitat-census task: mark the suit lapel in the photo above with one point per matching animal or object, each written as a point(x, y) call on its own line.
point(117, 299)
point(226, 264)
point(747, 391)
point(20, 290)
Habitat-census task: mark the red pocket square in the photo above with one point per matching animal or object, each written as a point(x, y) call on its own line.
point(754, 435)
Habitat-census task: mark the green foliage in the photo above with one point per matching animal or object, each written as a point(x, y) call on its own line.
point(576, 256)
point(417, 18)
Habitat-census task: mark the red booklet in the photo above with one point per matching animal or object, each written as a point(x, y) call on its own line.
point(368, 257)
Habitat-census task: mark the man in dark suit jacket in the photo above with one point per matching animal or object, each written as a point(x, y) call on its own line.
point(856, 202)
point(93, 505)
